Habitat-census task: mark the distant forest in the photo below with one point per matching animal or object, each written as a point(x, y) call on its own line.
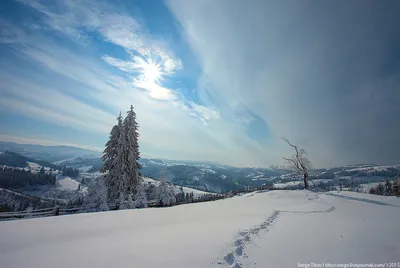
point(16, 178)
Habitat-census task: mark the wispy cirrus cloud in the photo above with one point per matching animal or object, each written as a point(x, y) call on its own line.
point(77, 18)
point(71, 86)
point(24, 140)
point(328, 82)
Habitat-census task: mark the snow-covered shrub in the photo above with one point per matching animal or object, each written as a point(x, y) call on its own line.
point(165, 193)
point(97, 196)
point(140, 196)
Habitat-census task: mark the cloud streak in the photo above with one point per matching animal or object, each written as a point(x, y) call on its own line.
point(84, 91)
point(318, 79)
point(326, 82)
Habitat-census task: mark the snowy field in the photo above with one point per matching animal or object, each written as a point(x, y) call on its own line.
point(259, 230)
point(67, 183)
point(367, 186)
point(287, 184)
point(196, 193)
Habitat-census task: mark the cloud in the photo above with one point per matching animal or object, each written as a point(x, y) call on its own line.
point(24, 140)
point(69, 86)
point(50, 105)
point(206, 113)
point(70, 17)
point(277, 73)
point(314, 73)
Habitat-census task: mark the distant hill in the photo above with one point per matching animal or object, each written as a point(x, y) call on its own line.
point(17, 160)
point(200, 175)
point(46, 153)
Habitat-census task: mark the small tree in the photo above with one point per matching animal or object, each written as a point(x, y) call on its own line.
point(372, 190)
point(396, 187)
point(97, 196)
point(165, 193)
point(380, 189)
point(298, 163)
point(130, 203)
point(388, 188)
point(140, 196)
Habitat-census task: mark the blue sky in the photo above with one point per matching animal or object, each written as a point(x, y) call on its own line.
point(210, 80)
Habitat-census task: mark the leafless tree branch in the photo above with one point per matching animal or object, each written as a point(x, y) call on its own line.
point(298, 162)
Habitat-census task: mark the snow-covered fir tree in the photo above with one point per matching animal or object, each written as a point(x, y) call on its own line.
point(126, 166)
point(140, 195)
point(109, 162)
point(165, 193)
point(110, 152)
point(120, 160)
point(129, 147)
point(97, 195)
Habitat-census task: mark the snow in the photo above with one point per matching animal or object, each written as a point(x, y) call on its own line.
point(85, 168)
point(177, 188)
point(374, 168)
point(66, 183)
point(367, 186)
point(35, 168)
point(265, 229)
point(209, 170)
point(286, 184)
point(77, 159)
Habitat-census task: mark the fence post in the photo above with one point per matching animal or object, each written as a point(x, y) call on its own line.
point(57, 211)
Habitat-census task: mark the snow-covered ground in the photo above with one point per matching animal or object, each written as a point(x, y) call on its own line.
point(66, 183)
point(287, 184)
point(196, 193)
point(85, 168)
point(269, 229)
point(367, 186)
point(374, 168)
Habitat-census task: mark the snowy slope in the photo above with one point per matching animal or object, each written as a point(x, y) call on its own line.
point(270, 229)
point(365, 187)
point(67, 183)
point(196, 193)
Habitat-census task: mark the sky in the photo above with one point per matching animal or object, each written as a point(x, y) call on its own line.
point(220, 81)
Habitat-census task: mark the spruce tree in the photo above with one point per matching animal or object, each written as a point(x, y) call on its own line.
point(130, 147)
point(126, 161)
point(112, 177)
point(110, 152)
point(121, 160)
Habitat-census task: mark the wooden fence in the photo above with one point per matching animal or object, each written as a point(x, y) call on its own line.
point(57, 210)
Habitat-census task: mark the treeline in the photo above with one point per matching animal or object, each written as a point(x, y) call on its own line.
point(389, 172)
point(389, 188)
point(70, 172)
point(16, 178)
point(184, 197)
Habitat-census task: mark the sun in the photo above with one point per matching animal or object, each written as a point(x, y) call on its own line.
point(151, 72)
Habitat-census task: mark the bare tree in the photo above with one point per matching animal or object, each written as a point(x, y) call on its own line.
point(298, 162)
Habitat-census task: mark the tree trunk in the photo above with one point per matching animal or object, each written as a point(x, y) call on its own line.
point(305, 181)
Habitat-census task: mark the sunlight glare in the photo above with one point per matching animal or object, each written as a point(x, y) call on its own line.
point(151, 72)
